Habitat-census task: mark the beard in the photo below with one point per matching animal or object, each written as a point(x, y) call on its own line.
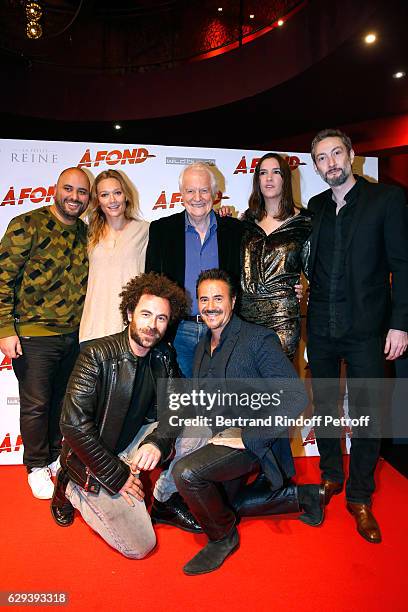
point(337, 179)
point(150, 339)
point(69, 214)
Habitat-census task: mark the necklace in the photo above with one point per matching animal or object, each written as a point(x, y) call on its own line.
point(113, 236)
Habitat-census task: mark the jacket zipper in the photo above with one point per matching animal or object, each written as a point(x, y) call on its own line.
point(88, 476)
point(113, 381)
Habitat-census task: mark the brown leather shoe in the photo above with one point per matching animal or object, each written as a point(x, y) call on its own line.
point(367, 526)
point(331, 488)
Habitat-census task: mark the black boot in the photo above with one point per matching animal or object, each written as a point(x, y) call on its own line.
point(311, 501)
point(212, 556)
point(175, 512)
point(259, 499)
point(61, 508)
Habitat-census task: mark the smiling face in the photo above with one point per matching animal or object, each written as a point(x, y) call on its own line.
point(333, 162)
point(197, 196)
point(148, 323)
point(111, 198)
point(270, 179)
point(71, 195)
point(215, 303)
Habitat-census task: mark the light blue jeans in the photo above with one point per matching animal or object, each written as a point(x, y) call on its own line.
point(127, 528)
point(187, 337)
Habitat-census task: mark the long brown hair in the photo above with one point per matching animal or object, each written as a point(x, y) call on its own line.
point(257, 209)
point(97, 219)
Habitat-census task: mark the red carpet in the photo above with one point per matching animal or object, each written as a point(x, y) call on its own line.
point(281, 565)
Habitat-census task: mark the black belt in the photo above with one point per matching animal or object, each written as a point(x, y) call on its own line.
point(195, 318)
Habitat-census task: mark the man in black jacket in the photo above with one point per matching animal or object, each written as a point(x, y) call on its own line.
point(234, 349)
point(359, 239)
point(109, 409)
point(182, 245)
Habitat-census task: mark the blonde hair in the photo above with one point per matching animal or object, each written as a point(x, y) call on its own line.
point(97, 219)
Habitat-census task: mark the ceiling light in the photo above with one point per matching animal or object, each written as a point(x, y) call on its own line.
point(117, 126)
point(33, 11)
point(220, 9)
point(252, 16)
point(370, 38)
point(33, 30)
point(399, 75)
point(280, 22)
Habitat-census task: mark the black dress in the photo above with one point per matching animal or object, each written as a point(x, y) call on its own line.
point(270, 267)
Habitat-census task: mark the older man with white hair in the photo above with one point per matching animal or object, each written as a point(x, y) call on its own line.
point(180, 247)
point(184, 244)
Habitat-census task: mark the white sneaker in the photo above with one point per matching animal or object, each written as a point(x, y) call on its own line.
point(54, 467)
point(40, 482)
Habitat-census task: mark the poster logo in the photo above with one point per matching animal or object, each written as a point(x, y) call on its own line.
point(6, 364)
point(36, 195)
point(164, 203)
point(33, 156)
point(111, 158)
point(7, 446)
point(187, 161)
point(13, 401)
point(243, 167)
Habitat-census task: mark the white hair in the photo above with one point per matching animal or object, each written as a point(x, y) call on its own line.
point(200, 167)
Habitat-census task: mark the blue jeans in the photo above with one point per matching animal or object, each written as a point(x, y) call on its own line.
point(185, 342)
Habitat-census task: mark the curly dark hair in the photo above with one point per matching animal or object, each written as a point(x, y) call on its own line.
point(256, 202)
point(153, 284)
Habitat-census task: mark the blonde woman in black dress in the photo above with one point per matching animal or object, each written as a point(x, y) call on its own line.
point(274, 252)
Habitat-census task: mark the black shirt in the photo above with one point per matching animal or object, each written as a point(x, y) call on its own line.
point(212, 366)
point(137, 415)
point(328, 308)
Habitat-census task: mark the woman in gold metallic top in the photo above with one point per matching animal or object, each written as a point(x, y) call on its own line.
point(274, 252)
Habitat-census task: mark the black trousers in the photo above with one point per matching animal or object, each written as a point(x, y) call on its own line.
point(199, 477)
point(364, 360)
point(42, 372)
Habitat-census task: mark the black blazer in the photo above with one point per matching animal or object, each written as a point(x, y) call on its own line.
point(166, 247)
point(253, 352)
point(377, 246)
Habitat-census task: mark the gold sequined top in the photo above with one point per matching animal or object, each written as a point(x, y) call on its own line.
point(270, 267)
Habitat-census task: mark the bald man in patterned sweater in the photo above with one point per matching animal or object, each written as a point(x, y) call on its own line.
point(43, 276)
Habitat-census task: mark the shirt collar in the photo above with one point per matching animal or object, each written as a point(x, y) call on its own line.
point(352, 193)
point(211, 228)
point(224, 335)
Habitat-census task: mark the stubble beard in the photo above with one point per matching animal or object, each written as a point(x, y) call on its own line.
point(338, 180)
point(154, 337)
point(70, 216)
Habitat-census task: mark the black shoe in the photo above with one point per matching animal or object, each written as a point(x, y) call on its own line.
point(61, 508)
point(212, 556)
point(175, 512)
point(63, 515)
point(311, 501)
point(260, 499)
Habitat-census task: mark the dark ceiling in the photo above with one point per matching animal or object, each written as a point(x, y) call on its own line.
point(343, 81)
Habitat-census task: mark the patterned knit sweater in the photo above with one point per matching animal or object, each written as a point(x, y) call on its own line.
point(43, 275)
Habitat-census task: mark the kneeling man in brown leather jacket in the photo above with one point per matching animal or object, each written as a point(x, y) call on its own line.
point(109, 419)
